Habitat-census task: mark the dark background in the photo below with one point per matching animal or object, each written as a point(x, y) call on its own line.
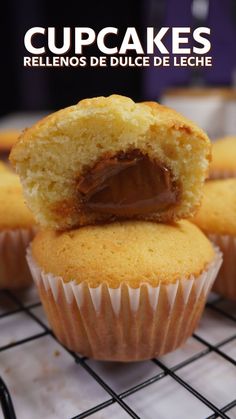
point(52, 88)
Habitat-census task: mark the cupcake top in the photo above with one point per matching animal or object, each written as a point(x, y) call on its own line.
point(131, 251)
point(224, 155)
point(217, 213)
point(13, 211)
point(8, 138)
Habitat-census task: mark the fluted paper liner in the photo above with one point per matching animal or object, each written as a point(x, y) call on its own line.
point(14, 270)
point(225, 283)
point(123, 324)
point(222, 174)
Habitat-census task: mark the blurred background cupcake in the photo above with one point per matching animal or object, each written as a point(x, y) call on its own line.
point(223, 163)
point(217, 218)
point(17, 227)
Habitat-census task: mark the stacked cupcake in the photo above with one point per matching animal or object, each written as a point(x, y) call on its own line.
point(217, 215)
point(121, 275)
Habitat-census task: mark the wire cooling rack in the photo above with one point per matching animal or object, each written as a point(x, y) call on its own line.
point(40, 378)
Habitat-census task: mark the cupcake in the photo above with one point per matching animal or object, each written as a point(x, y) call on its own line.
point(121, 287)
point(124, 291)
point(223, 163)
point(7, 139)
point(217, 218)
point(16, 231)
point(109, 158)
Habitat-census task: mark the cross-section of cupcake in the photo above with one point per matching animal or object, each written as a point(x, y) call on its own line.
point(217, 218)
point(110, 158)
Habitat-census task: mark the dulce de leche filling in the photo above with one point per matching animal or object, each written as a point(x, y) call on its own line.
point(128, 184)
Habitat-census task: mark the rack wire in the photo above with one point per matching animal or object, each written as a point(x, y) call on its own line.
point(122, 398)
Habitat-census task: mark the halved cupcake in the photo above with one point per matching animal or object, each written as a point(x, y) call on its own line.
point(109, 158)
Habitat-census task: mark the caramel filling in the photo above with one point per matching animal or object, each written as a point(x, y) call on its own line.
point(128, 184)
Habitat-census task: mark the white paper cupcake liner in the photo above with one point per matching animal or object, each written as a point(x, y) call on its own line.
point(123, 324)
point(225, 283)
point(222, 174)
point(14, 270)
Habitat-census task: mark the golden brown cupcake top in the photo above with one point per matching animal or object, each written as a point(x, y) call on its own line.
point(8, 138)
point(224, 155)
point(217, 213)
point(132, 252)
point(13, 211)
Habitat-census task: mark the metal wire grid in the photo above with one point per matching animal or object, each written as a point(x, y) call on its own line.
point(7, 403)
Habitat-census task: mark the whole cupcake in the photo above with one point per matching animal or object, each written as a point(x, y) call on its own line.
point(223, 163)
point(124, 291)
point(17, 228)
point(217, 218)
